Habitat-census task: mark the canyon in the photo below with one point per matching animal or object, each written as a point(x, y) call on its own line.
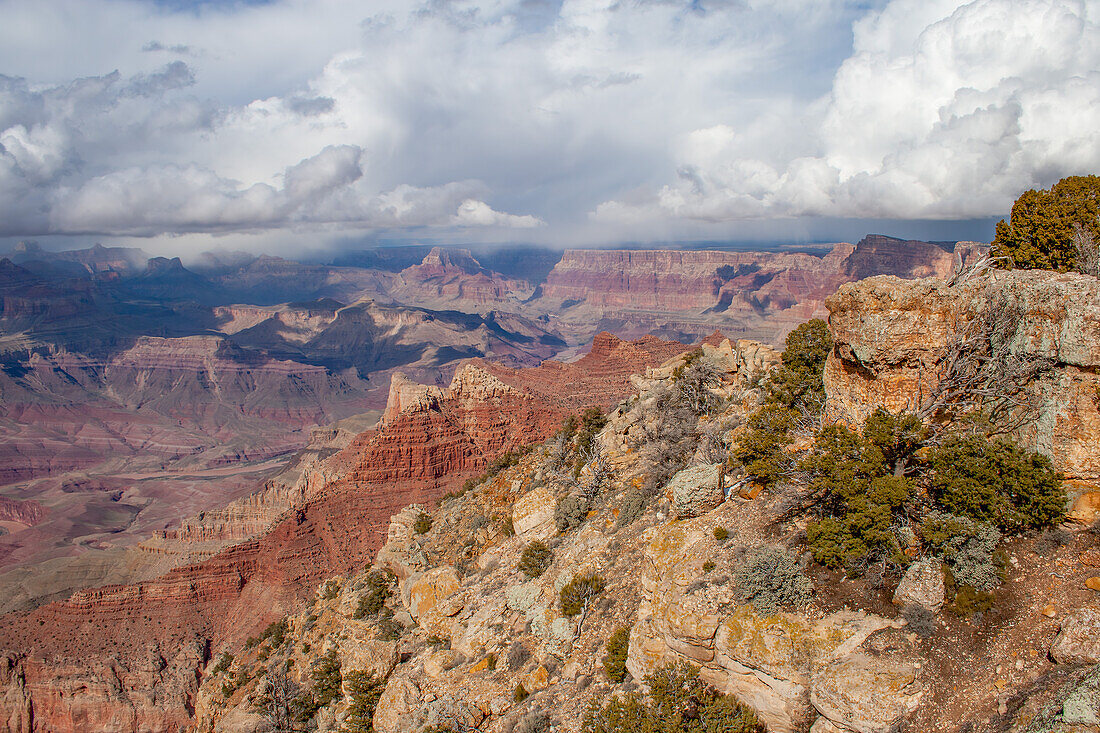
point(191, 445)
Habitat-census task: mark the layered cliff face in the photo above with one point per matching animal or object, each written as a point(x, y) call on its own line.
point(760, 294)
point(423, 450)
point(891, 334)
point(452, 278)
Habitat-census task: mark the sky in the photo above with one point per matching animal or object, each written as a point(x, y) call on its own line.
point(271, 125)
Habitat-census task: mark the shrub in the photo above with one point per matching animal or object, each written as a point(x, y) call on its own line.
point(614, 662)
point(535, 721)
point(694, 381)
point(969, 548)
point(379, 589)
point(995, 481)
point(518, 654)
point(570, 511)
point(536, 558)
point(919, 620)
point(491, 662)
point(632, 506)
point(771, 579)
point(721, 533)
point(1040, 231)
point(225, 660)
point(762, 448)
point(709, 565)
point(577, 594)
point(591, 423)
point(678, 702)
point(364, 691)
point(800, 380)
point(520, 693)
point(423, 523)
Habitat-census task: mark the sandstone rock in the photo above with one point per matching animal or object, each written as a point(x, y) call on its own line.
point(243, 720)
point(449, 713)
point(429, 589)
point(1078, 642)
point(1093, 583)
point(824, 725)
point(441, 661)
point(1085, 508)
point(695, 491)
point(399, 701)
point(537, 680)
point(888, 333)
point(922, 585)
point(533, 514)
point(867, 694)
point(374, 656)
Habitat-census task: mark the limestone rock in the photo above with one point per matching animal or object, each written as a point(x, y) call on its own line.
point(533, 514)
point(243, 720)
point(373, 656)
point(922, 585)
point(428, 590)
point(398, 702)
point(889, 332)
point(1086, 508)
point(695, 490)
point(1078, 642)
point(867, 694)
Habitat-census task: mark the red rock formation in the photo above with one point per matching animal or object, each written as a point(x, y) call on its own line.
point(131, 655)
point(453, 278)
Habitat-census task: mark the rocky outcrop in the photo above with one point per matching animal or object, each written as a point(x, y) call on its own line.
point(890, 332)
point(790, 667)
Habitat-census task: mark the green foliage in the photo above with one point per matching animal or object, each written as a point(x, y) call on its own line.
point(614, 662)
point(709, 565)
point(968, 547)
point(577, 594)
point(995, 481)
point(591, 423)
point(423, 523)
point(491, 662)
point(860, 496)
point(966, 600)
point(762, 449)
point(1040, 232)
point(379, 589)
point(536, 558)
point(631, 507)
point(678, 702)
point(327, 683)
point(771, 579)
point(500, 463)
point(800, 380)
point(520, 693)
point(364, 691)
point(225, 660)
point(721, 533)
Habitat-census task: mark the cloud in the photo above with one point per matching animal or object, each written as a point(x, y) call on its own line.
point(578, 119)
point(942, 111)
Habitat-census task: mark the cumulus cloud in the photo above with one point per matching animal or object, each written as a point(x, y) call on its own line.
point(626, 118)
point(943, 111)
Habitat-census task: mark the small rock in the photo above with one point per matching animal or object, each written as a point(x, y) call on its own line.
point(1049, 610)
point(922, 585)
point(537, 680)
point(1078, 641)
point(1093, 583)
point(695, 491)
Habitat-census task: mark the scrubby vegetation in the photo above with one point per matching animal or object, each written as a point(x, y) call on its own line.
point(576, 595)
point(423, 523)
point(678, 702)
point(771, 579)
point(379, 585)
point(614, 661)
point(796, 388)
point(364, 690)
point(536, 558)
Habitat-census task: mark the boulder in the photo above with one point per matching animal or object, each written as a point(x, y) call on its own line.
point(533, 514)
point(867, 694)
point(1078, 641)
point(426, 591)
point(399, 701)
point(695, 491)
point(922, 585)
